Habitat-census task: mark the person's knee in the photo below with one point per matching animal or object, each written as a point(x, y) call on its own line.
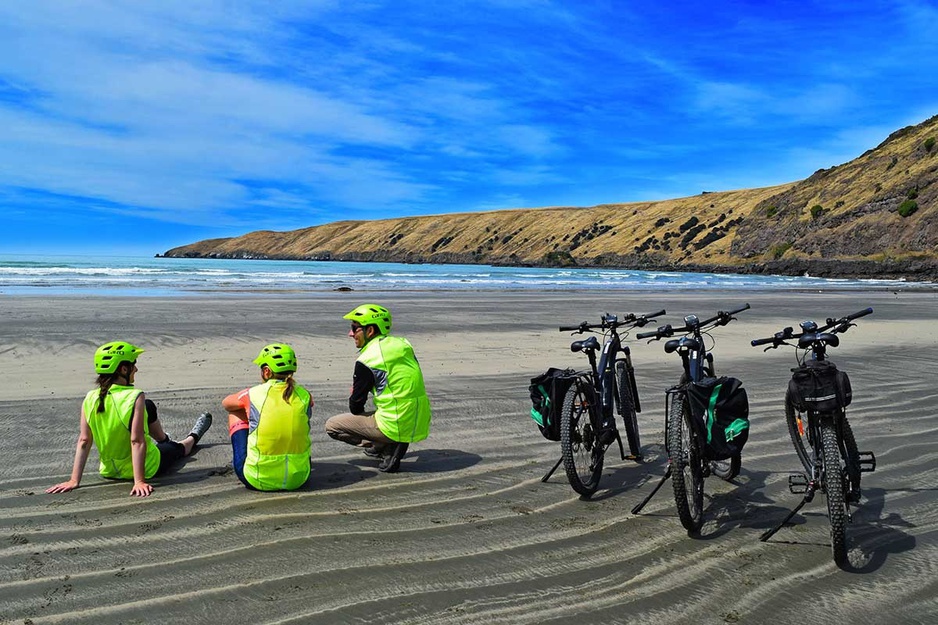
point(236, 423)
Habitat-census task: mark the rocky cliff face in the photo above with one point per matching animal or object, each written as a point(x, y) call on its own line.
point(874, 216)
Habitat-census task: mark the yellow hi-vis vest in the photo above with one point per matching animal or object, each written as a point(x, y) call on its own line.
point(111, 432)
point(402, 408)
point(278, 438)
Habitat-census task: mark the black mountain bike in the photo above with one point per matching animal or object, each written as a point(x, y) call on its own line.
point(815, 411)
point(687, 464)
point(587, 419)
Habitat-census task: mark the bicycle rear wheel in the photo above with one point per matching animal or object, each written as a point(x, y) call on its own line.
point(579, 438)
point(835, 490)
point(626, 409)
point(686, 465)
point(800, 434)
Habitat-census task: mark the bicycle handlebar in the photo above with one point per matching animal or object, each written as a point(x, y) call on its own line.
point(629, 319)
point(720, 319)
point(843, 320)
point(839, 325)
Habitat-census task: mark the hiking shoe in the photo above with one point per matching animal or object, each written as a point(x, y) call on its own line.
point(202, 424)
point(374, 452)
point(391, 458)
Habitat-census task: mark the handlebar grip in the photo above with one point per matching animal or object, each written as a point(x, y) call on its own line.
point(654, 314)
point(569, 328)
point(758, 342)
point(646, 335)
point(857, 315)
point(739, 310)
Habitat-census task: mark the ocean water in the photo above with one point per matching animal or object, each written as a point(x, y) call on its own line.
point(145, 276)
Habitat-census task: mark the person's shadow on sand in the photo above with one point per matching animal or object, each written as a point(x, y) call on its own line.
point(175, 474)
point(429, 461)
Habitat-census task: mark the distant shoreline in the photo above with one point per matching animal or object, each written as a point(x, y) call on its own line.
point(916, 270)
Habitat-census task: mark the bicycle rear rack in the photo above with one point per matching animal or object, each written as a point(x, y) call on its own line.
point(867, 462)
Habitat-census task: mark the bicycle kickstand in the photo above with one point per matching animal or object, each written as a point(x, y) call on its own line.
point(621, 448)
point(551, 472)
point(794, 482)
point(664, 478)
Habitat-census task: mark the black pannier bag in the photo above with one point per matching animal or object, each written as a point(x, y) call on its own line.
point(547, 393)
point(819, 386)
point(720, 408)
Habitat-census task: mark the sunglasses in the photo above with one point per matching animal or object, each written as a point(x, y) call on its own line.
point(356, 328)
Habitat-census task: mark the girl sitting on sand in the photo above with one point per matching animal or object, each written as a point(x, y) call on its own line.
point(123, 425)
point(269, 425)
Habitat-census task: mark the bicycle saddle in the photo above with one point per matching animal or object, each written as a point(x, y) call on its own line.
point(686, 341)
point(590, 343)
point(827, 338)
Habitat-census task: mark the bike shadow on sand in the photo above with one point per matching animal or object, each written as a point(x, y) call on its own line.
point(739, 503)
point(871, 537)
point(875, 533)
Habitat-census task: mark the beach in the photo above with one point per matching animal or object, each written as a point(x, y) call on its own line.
point(466, 532)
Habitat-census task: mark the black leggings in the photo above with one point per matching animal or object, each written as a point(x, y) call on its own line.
point(170, 451)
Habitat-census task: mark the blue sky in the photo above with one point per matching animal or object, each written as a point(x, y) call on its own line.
point(133, 127)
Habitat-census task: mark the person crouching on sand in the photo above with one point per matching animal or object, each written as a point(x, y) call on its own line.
point(388, 368)
point(269, 425)
point(123, 424)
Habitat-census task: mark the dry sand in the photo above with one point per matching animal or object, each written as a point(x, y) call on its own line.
point(466, 532)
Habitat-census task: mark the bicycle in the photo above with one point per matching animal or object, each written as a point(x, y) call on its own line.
point(587, 419)
point(818, 394)
point(687, 457)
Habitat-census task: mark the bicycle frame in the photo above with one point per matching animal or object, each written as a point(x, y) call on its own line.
point(697, 363)
point(588, 416)
point(603, 372)
point(830, 442)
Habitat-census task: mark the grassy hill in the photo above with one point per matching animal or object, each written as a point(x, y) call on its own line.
point(872, 216)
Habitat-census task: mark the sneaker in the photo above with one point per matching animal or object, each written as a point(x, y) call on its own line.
point(202, 424)
point(391, 458)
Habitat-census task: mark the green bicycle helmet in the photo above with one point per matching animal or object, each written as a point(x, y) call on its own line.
point(280, 357)
point(109, 356)
point(372, 314)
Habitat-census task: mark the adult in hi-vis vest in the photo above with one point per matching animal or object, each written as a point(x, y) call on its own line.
point(387, 369)
point(123, 424)
point(269, 425)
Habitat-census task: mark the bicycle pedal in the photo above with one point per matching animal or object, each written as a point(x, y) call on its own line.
point(798, 484)
point(867, 462)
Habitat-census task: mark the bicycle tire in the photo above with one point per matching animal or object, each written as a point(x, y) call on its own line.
point(626, 408)
point(835, 491)
point(800, 434)
point(686, 465)
point(851, 459)
point(727, 469)
point(579, 444)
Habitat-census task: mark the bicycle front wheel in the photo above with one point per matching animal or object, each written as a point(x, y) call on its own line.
point(579, 438)
point(627, 409)
point(852, 459)
point(835, 491)
point(800, 434)
point(686, 465)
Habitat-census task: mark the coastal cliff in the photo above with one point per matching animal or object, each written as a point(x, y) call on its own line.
point(874, 216)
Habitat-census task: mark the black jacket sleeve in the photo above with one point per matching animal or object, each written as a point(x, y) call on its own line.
point(363, 381)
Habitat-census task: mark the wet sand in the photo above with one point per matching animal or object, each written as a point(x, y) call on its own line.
point(466, 532)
